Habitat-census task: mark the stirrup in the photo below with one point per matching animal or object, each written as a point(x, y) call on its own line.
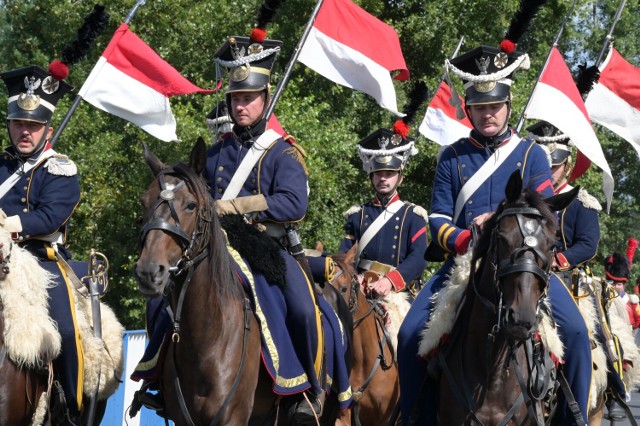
point(309, 409)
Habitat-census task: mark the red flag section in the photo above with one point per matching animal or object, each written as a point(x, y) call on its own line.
point(557, 100)
point(350, 47)
point(441, 123)
point(615, 101)
point(132, 82)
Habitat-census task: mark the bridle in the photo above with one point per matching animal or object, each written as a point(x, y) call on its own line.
point(531, 224)
point(194, 250)
point(384, 338)
point(194, 246)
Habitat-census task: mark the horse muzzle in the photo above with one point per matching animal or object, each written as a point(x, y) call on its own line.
point(519, 327)
point(152, 278)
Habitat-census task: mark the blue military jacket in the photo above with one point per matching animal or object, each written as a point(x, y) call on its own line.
point(44, 198)
point(400, 243)
point(280, 175)
point(458, 163)
point(578, 230)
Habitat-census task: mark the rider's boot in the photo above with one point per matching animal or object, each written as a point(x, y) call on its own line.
point(309, 409)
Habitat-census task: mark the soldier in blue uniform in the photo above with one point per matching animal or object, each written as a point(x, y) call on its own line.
point(391, 233)
point(469, 184)
point(39, 192)
point(578, 225)
point(253, 170)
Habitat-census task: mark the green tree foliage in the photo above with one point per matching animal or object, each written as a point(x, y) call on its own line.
point(326, 119)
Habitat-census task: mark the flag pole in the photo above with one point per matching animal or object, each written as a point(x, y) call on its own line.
point(292, 61)
point(78, 98)
point(608, 40)
point(523, 116)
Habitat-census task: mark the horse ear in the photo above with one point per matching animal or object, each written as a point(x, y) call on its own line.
point(198, 160)
point(350, 257)
point(561, 201)
point(514, 187)
point(319, 246)
point(153, 162)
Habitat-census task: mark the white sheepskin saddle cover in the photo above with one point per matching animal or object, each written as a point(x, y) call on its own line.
point(31, 336)
point(396, 305)
point(448, 302)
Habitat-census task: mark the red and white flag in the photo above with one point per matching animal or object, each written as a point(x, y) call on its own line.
point(132, 82)
point(441, 123)
point(556, 99)
point(615, 101)
point(350, 47)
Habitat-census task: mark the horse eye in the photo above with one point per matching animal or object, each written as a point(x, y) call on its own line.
point(344, 289)
point(192, 206)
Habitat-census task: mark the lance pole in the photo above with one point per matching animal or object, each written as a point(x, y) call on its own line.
point(78, 98)
point(287, 74)
point(608, 40)
point(546, 62)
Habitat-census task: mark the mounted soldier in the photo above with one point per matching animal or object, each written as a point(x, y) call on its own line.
point(254, 171)
point(469, 184)
point(40, 191)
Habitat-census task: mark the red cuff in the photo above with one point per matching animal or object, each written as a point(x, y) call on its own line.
point(563, 263)
point(462, 242)
point(396, 279)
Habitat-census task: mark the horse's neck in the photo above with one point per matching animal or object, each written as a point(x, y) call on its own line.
point(205, 308)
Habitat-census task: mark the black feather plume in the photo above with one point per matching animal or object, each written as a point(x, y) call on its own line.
point(268, 12)
point(587, 78)
point(417, 97)
point(522, 19)
point(94, 24)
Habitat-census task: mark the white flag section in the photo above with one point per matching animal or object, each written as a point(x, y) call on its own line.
point(440, 123)
point(556, 99)
point(615, 101)
point(350, 47)
point(132, 82)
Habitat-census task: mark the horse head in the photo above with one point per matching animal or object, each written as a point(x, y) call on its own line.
point(517, 249)
point(345, 278)
point(178, 213)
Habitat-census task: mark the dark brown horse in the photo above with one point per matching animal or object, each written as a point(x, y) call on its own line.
point(486, 368)
point(212, 371)
point(374, 373)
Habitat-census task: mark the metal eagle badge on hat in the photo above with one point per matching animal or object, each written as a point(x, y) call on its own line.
point(29, 100)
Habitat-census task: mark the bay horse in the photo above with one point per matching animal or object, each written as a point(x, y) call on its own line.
point(212, 371)
point(494, 370)
point(374, 373)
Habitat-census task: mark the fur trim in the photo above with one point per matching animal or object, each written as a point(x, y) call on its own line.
point(396, 304)
point(24, 305)
point(588, 200)
point(259, 250)
point(448, 301)
point(61, 165)
point(103, 358)
point(352, 210)
point(587, 309)
point(446, 304)
point(622, 329)
point(422, 212)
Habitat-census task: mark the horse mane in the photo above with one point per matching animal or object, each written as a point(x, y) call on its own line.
point(219, 269)
point(528, 198)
